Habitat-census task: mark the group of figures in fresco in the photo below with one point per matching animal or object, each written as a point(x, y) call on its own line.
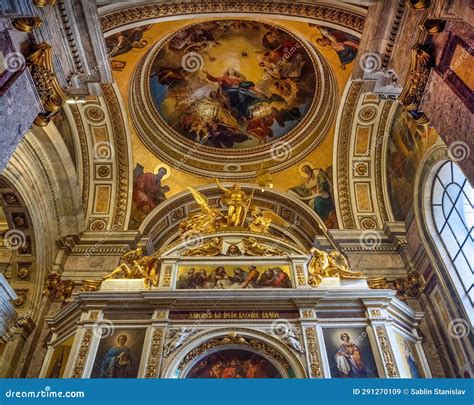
point(223, 277)
point(247, 83)
point(234, 364)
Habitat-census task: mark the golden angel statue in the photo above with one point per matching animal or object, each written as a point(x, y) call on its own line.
point(262, 220)
point(237, 203)
point(137, 266)
point(210, 248)
point(208, 220)
point(328, 264)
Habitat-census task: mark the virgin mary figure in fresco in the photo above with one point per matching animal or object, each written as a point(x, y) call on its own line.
point(349, 359)
point(118, 360)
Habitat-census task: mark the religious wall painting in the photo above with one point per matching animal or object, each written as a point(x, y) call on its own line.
point(349, 353)
point(410, 358)
point(233, 276)
point(148, 191)
point(408, 142)
point(316, 190)
point(232, 84)
point(118, 355)
point(342, 43)
point(59, 359)
point(133, 40)
point(233, 363)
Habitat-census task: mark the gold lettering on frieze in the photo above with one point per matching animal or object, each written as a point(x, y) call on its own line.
point(234, 315)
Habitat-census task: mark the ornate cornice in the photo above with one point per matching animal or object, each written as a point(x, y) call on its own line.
point(144, 13)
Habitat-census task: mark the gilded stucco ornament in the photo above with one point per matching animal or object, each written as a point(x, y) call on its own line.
point(50, 92)
point(331, 263)
point(240, 214)
point(136, 265)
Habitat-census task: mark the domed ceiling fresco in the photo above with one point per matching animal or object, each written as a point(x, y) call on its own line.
point(232, 99)
point(232, 84)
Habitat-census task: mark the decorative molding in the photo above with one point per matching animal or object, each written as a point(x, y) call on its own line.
point(153, 363)
point(342, 159)
point(144, 13)
point(313, 353)
point(119, 133)
point(234, 339)
point(82, 355)
point(388, 358)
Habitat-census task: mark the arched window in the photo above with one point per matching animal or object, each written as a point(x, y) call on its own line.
point(452, 205)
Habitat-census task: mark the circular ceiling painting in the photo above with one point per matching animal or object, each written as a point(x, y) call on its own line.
point(232, 84)
point(229, 98)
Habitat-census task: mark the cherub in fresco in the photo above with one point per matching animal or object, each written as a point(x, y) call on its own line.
point(345, 45)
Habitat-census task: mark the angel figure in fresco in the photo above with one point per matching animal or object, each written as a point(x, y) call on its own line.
point(117, 362)
point(345, 45)
point(262, 220)
point(208, 220)
point(317, 192)
point(349, 359)
point(134, 265)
